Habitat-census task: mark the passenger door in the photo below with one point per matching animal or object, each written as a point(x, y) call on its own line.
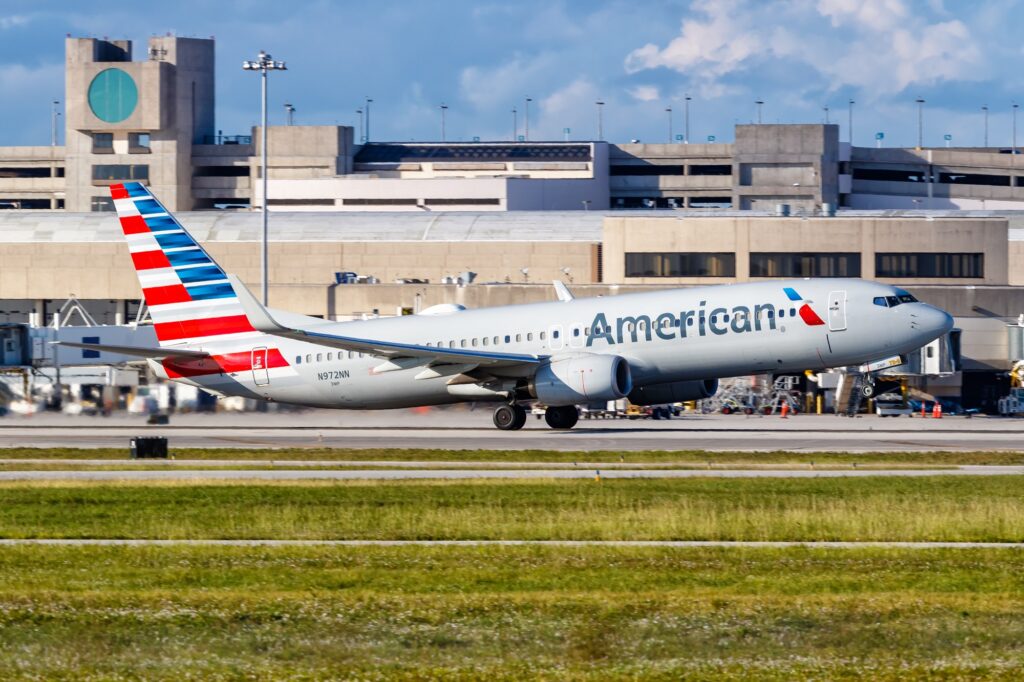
point(837, 311)
point(260, 375)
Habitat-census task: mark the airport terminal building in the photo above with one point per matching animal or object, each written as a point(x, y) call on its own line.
point(779, 201)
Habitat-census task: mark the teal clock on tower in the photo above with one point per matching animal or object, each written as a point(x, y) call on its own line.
point(113, 95)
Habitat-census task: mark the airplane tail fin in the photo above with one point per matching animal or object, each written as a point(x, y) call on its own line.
point(189, 296)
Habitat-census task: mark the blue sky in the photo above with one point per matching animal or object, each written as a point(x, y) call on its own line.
point(484, 58)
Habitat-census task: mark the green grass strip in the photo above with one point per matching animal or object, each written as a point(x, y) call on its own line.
point(884, 508)
point(509, 613)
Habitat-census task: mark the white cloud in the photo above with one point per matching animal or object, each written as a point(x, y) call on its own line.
point(13, 21)
point(881, 46)
point(645, 93)
point(717, 45)
point(488, 88)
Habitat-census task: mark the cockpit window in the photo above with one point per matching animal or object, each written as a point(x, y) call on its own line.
point(893, 301)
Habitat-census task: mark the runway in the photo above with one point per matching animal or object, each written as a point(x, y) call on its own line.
point(679, 544)
point(463, 429)
point(463, 474)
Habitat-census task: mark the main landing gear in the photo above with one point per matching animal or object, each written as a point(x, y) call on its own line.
point(564, 417)
point(512, 417)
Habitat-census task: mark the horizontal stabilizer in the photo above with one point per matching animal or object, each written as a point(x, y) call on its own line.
point(135, 351)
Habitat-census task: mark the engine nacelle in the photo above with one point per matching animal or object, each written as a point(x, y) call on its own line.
point(582, 378)
point(676, 392)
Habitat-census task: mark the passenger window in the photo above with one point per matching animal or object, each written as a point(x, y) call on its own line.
point(298, 359)
point(474, 343)
point(309, 357)
point(782, 313)
point(451, 344)
point(543, 335)
point(319, 357)
point(519, 337)
point(330, 356)
point(529, 336)
point(495, 340)
point(508, 339)
point(462, 342)
point(575, 331)
point(792, 312)
point(555, 334)
point(485, 340)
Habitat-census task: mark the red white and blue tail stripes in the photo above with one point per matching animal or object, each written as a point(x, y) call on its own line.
point(188, 294)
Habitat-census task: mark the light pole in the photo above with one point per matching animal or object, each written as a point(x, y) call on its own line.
point(359, 113)
point(920, 122)
point(851, 103)
point(826, 114)
point(444, 111)
point(290, 112)
point(53, 123)
point(984, 111)
point(668, 110)
point(526, 129)
point(600, 120)
point(759, 103)
point(686, 119)
point(366, 108)
point(263, 64)
point(1013, 151)
point(515, 124)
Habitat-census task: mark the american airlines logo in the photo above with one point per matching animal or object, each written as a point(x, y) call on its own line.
point(718, 321)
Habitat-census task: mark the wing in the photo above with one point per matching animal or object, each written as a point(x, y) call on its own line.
point(261, 320)
point(135, 351)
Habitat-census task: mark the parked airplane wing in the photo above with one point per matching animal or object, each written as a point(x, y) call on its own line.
point(135, 351)
point(261, 320)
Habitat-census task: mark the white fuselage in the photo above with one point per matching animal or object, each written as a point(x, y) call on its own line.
point(665, 336)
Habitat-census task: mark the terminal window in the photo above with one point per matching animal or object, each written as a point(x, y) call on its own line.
point(102, 204)
point(930, 265)
point(103, 143)
point(138, 143)
point(680, 265)
point(105, 173)
point(805, 265)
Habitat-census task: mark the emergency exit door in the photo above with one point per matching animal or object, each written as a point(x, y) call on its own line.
point(837, 311)
point(260, 376)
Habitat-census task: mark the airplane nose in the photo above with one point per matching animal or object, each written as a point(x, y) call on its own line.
point(933, 322)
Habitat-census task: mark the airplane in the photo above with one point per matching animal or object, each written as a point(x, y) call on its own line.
point(653, 348)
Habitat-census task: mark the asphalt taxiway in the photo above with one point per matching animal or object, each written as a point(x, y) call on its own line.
point(464, 429)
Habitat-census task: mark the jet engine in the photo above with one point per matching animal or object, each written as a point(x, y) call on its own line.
point(581, 378)
point(676, 392)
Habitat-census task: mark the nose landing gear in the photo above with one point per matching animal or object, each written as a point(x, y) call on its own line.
point(510, 417)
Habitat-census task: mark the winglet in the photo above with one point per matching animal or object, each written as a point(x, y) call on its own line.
point(562, 291)
point(258, 316)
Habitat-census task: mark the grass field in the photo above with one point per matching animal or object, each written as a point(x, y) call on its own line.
point(690, 457)
point(884, 508)
point(522, 612)
point(510, 613)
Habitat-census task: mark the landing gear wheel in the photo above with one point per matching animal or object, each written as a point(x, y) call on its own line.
point(867, 390)
point(510, 417)
point(564, 417)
